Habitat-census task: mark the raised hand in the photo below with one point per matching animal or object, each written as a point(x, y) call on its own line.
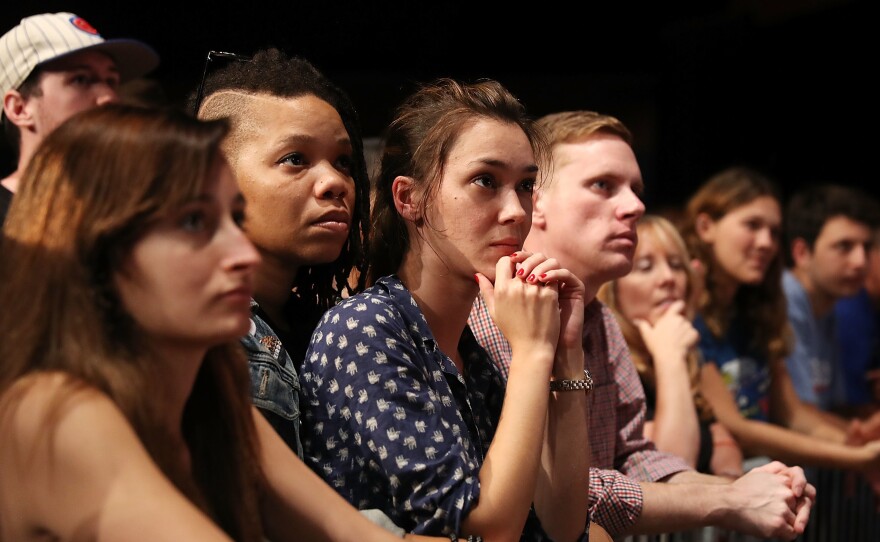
point(525, 308)
point(671, 337)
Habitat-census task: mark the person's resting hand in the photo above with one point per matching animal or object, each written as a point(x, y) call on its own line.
point(771, 515)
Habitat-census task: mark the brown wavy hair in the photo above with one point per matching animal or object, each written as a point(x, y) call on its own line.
point(417, 144)
point(759, 308)
point(665, 233)
point(93, 188)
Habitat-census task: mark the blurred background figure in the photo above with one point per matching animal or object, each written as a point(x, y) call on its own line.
point(733, 227)
point(858, 331)
point(53, 65)
point(828, 233)
point(654, 305)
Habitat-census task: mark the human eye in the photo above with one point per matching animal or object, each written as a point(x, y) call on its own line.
point(676, 263)
point(601, 185)
point(638, 189)
point(484, 181)
point(294, 159)
point(238, 217)
point(112, 82)
point(845, 247)
point(643, 265)
point(193, 221)
point(345, 163)
point(527, 185)
point(753, 224)
point(81, 79)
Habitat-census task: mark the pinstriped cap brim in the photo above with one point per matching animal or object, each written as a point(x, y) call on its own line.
point(49, 36)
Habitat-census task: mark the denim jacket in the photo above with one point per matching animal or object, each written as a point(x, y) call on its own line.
point(275, 386)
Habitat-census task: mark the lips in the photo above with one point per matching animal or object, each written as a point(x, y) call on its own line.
point(626, 240)
point(240, 295)
point(334, 216)
point(336, 222)
point(507, 244)
point(628, 236)
point(666, 302)
point(244, 289)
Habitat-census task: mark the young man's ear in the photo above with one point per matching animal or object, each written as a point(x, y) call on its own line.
point(705, 228)
point(403, 190)
point(800, 252)
point(539, 213)
point(16, 110)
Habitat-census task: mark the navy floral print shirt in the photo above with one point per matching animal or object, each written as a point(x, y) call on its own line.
point(389, 421)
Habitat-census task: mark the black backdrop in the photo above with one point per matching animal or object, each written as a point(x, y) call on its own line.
point(787, 86)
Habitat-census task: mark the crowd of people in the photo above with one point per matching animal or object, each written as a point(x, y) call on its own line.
point(220, 324)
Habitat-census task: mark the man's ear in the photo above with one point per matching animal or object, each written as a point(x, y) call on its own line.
point(16, 110)
point(800, 252)
point(705, 228)
point(403, 190)
point(539, 214)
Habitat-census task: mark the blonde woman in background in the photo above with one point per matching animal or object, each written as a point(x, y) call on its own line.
point(654, 305)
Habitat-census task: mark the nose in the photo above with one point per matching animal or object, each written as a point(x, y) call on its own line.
point(241, 254)
point(512, 209)
point(765, 238)
point(665, 275)
point(859, 257)
point(332, 183)
point(105, 94)
point(630, 206)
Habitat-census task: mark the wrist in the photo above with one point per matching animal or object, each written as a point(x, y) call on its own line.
point(584, 383)
point(723, 504)
point(569, 363)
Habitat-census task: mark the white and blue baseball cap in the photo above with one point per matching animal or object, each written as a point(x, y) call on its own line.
point(49, 36)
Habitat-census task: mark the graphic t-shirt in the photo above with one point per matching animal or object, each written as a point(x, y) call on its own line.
point(746, 373)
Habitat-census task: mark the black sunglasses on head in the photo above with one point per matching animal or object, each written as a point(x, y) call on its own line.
point(208, 62)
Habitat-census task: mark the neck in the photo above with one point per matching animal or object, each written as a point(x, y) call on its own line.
point(821, 302)
point(179, 365)
point(273, 286)
point(444, 299)
point(725, 286)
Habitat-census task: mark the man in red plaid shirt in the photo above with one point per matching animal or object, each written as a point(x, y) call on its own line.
point(585, 216)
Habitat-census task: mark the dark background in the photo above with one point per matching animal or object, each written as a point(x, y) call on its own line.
point(786, 86)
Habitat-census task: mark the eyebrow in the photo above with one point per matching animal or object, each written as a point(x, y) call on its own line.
point(306, 138)
point(531, 168)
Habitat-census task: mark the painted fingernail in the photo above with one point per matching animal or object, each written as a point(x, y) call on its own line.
point(543, 275)
point(520, 272)
point(512, 255)
point(476, 278)
point(531, 278)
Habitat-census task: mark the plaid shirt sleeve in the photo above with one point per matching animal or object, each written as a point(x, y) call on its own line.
point(634, 455)
point(615, 500)
point(489, 336)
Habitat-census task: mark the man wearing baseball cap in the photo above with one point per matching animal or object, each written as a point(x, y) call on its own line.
point(53, 65)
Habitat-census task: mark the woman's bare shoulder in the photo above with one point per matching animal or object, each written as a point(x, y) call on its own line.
point(64, 442)
point(46, 405)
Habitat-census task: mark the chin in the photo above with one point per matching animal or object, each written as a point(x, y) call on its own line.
point(847, 290)
point(234, 329)
point(321, 256)
point(616, 270)
point(752, 278)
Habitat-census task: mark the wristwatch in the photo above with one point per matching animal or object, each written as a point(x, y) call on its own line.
point(573, 385)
